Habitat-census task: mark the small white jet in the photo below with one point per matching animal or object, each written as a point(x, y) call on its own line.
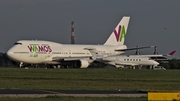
point(131, 60)
point(47, 52)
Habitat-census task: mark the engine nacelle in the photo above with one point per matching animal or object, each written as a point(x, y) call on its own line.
point(82, 63)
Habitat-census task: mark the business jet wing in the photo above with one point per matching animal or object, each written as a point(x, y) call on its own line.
point(126, 64)
point(134, 48)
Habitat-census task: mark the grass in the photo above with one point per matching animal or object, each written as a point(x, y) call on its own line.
point(69, 98)
point(90, 79)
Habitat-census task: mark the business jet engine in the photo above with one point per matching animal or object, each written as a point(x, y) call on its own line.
point(82, 63)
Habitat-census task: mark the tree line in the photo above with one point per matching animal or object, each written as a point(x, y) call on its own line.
point(5, 61)
point(171, 64)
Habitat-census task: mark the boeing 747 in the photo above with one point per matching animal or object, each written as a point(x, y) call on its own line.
point(47, 52)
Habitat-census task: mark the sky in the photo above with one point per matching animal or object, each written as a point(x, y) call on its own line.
point(152, 23)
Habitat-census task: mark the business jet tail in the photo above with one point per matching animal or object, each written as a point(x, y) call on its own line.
point(171, 53)
point(118, 36)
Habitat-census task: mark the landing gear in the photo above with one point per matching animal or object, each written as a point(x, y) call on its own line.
point(52, 66)
point(56, 66)
point(20, 64)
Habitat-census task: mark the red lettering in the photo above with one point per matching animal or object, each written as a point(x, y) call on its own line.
point(30, 48)
point(41, 49)
point(45, 49)
point(49, 48)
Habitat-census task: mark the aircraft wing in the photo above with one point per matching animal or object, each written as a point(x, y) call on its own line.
point(68, 58)
point(134, 48)
point(94, 53)
point(126, 64)
point(89, 48)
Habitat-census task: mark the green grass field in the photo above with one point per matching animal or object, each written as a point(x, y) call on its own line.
point(90, 79)
point(68, 98)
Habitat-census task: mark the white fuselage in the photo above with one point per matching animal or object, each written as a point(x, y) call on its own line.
point(37, 52)
point(130, 60)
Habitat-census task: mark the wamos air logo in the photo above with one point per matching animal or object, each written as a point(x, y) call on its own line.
point(39, 48)
point(120, 34)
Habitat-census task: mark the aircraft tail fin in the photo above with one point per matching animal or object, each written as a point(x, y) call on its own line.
point(118, 36)
point(171, 53)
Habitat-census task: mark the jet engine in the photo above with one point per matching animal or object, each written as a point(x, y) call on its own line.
point(82, 63)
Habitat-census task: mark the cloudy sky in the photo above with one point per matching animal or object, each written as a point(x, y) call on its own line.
point(153, 22)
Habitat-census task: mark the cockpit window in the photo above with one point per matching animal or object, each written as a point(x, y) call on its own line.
point(17, 43)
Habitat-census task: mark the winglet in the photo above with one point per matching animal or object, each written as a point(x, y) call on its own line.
point(171, 53)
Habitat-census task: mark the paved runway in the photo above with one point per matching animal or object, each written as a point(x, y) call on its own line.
point(82, 93)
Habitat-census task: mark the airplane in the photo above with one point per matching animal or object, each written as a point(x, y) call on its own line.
point(120, 61)
point(74, 55)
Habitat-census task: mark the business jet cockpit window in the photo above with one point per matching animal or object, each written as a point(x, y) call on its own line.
point(17, 43)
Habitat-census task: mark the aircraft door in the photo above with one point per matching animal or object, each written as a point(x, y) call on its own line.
point(69, 53)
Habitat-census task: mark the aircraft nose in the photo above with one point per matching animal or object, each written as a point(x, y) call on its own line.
point(9, 53)
point(157, 63)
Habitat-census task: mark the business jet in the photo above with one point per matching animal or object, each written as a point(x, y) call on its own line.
point(74, 55)
point(120, 61)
